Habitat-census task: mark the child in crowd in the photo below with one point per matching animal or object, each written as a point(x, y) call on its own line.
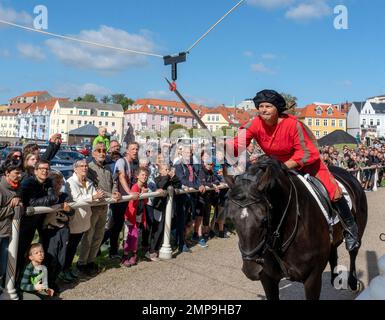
point(102, 138)
point(135, 219)
point(165, 179)
point(35, 276)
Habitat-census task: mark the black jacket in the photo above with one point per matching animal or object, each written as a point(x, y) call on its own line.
point(34, 193)
point(163, 182)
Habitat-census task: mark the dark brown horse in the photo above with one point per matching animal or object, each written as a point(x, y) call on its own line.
point(282, 231)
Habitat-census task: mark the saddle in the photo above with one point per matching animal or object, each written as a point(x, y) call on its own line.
point(319, 192)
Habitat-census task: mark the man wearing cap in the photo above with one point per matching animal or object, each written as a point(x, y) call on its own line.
point(287, 139)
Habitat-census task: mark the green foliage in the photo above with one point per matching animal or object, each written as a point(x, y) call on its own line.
point(291, 102)
point(87, 98)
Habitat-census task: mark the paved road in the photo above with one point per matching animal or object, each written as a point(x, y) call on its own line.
point(215, 272)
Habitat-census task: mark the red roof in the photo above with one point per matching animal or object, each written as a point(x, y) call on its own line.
point(240, 116)
point(310, 112)
point(31, 94)
point(49, 105)
point(144, 103)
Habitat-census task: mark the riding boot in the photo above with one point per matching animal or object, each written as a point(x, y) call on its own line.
point(351, 230)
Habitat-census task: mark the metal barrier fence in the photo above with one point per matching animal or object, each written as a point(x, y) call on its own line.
point(165, 253)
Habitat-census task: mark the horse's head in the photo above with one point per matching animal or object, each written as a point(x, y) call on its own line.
point(249, 206)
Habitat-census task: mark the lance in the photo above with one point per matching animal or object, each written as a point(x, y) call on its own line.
point(189, 108)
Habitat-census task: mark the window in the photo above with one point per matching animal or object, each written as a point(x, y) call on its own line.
point(113, 124)
point(208, 118)
point(177, 119)
point(378, 122)
point(341, 123)
point(85, 122)
point(153, 127)
point(162, 118)
point(79, 122)
point(153, 117)
point(371, 122)
point(106, 114)
point(333, 123)
point(364, 121)
point(185, 120)
point(325, 133)
point(63, 121)
point(106, 123)
point(100, 123)
point(317, 122)
point(317, 134)
point(330, 111)
point(326, 122)
point(71, 112)
point(102, 114)
point(85, 113)
point(80, 112)
point(310, 122)
point(72, 122)
point(319, 110)
point(217, 118)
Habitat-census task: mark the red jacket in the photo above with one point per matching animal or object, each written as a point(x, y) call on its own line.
point(130, 214)
point(289, 139)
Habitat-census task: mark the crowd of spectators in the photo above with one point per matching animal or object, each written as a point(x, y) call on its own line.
point(366, 163)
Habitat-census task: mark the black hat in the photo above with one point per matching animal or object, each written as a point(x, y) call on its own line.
point(272, 97)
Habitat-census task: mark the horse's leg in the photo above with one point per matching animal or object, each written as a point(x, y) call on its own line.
point(352, 280)
point(313, 285)
point(333, 258)
point(271, 287)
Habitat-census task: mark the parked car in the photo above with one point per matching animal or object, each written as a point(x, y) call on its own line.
point(69, 155)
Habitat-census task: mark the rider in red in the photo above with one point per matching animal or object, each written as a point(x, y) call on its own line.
point(287, 139)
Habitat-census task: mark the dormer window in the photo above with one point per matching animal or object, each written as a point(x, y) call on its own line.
point(318, 111)
point(330, 111)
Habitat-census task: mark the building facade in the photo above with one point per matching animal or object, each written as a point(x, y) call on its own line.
point(221, 116)
point(372, 119)
point(156, 114)
point(322, 119)
point(68, 115)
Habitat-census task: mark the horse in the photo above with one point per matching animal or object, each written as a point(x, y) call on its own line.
point(282, 230)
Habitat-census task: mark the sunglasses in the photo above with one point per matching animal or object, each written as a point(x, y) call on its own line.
point(101, 150)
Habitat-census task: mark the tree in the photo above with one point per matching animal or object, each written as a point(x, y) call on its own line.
point(291, 102)
point(120, 98)
point(87, 98)
point(106, 99)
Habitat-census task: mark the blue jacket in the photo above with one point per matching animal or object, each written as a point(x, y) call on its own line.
point(182, 172)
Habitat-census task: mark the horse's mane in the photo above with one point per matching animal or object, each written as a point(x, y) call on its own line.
point(259, 178)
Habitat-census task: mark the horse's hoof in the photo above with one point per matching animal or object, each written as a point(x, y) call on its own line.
point(358, 287)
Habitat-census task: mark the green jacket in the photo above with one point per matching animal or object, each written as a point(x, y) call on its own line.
point(104, 140)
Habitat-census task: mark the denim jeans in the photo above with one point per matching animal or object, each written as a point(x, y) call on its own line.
point(4, 242)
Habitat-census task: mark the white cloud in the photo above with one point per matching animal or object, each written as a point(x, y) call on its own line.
point(9, 14)
point(28, 50)
point(73, 90)
point(261, 68)
point(310, 10)
point(160, 94)
point(92, 57)
point(248, 53)
point(271, 4)
point(269, 56)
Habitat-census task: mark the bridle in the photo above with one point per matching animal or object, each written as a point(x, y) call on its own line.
point(269, 239)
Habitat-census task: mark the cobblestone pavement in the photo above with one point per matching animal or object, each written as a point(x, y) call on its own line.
point(215, 272)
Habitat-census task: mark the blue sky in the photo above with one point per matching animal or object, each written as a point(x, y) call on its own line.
point(287, 45)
